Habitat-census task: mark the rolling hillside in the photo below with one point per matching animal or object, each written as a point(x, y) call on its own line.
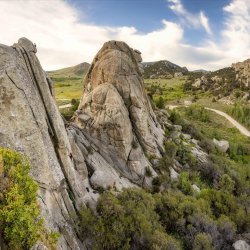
point(68, 82)
point(162, 69)
point(75, 71)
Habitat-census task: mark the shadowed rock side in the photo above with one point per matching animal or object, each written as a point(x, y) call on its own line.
point(116, 114)
point(31, 123)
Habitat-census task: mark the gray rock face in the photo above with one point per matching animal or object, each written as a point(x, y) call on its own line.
point(104, 146)
point(31, 123)
point(196, 188)
point(116, 112)
point(222, 145)
point(242, 70)
point(173, 174)
point(178, 74)
point(241, 245)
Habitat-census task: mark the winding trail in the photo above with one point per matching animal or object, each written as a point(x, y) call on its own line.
point(65, 106)
point(236, 124)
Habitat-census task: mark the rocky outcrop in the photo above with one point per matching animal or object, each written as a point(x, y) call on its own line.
point(242, 70)
point(162, 69)
point(116, 114)
point(241, 245)
point(31, 123)
point(105, 146)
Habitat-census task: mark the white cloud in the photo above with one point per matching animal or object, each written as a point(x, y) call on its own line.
point(62, 40)
point(236, 34)
point(199, 20)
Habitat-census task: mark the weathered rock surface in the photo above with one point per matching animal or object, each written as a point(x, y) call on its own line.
point(196, 188)
point(31, 123)
point(241, 245)
point(242, 70)
point(222, 145)
point(105, 146)
point(116, 112)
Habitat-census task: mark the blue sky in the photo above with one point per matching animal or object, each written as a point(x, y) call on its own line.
point(208, 34)
point(146, 15)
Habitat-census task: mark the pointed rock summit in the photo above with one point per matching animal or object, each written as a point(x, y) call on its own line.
point(115, 108)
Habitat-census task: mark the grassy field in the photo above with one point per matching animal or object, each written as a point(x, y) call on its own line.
point(68, 82)
point(169, 89)
point(68, 88)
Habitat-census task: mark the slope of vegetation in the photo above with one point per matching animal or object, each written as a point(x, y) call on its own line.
point(20, 223)
point(241, 112)
point(175, 215)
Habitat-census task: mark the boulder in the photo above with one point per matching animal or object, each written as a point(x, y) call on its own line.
point(241, 245)
point(197, 83)
point(178, 74)
point(222, 145)
point(173, 174)
point(196, 188)
point(31, 124)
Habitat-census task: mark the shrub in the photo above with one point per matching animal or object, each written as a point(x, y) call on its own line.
point(162, 241)
point(184, 184)
point(226, 183)
point(126, 221)
point(203, 241)
point(19, 212)
point(67, 113)
point(198, 112)
point(148, 172)
point(75, 103)
point(241, 113)
point(170, 149)
point(160, 103)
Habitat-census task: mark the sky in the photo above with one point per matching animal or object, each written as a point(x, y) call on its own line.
point(198, 34)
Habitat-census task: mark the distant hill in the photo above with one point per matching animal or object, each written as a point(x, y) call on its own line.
point(74, 71)
point(68, 82)
point(162, 69)
point(231, 81)
point(200, 71)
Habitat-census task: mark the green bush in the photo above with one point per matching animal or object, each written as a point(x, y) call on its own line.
point(20, 220)
point(126, 221)
point(203, 241)
point(184, 183)
point(226, 183)
point(198, 112)
point(67, 113)
point(170, 149)
point(241, 112)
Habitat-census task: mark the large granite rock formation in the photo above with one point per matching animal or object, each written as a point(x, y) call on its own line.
point(105, 145)
point(31, 123)
point(116, 113)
